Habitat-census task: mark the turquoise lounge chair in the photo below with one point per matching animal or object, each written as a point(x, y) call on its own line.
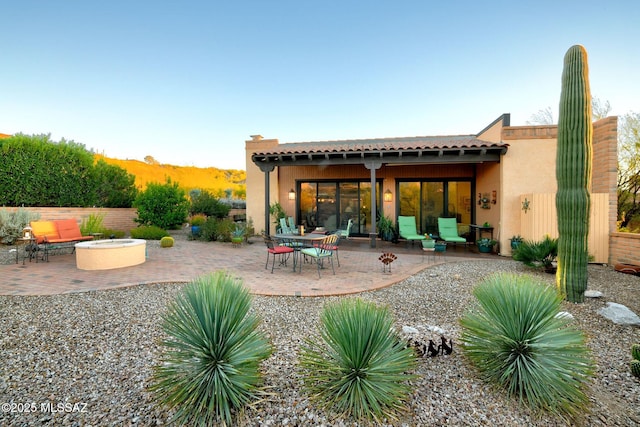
point(407, 229)
point(448, 231)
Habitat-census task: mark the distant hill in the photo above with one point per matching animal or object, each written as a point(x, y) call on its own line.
point(214, 180)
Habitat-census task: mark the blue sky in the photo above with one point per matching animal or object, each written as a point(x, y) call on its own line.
point(188, 82)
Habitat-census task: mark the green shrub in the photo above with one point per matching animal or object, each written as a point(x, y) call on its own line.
point(12, 223)
point(359, 365)
point(162, 205)
point(537, 254)
point(207, 204)
point(198, 220)
point(148, 232)
point(217, 229)
point(210, 365)
point(516, 341)
point(166, 242)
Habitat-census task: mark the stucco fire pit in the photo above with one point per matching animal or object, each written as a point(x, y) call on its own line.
point(108, 254)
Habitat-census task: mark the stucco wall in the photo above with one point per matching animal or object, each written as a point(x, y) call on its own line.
point(527, 167)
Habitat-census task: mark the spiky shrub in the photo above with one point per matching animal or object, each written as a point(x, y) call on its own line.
point(537, 253)
point(166, 242)
point(515, 340)
point(210, 366)
point(359, 366)
point(573, 173)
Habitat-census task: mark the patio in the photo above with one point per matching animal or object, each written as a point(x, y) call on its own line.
point(360, 269)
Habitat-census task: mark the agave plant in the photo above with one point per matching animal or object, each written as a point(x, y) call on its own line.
point(516, 340)
point(212, 355)
point(359, 366)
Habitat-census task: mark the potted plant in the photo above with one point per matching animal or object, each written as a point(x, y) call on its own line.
point(516, 241)
point(485, 245)
point(197, 221)
point(428, 242)
point(385, 228)
point(237, 235)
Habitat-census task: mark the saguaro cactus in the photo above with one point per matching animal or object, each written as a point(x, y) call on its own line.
point(573, 173)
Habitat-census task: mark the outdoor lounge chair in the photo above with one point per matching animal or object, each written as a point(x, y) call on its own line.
point(448, 231)
point(407, 229)
point(344, 234)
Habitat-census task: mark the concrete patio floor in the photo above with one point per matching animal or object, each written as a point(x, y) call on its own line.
point(359, 270)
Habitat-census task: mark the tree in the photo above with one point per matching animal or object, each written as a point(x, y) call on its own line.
point(115, 188)
point(573, 173)
point(207, 204)
point(599, 110)
point(629, 171)
point(150, 160)
point(163, 205)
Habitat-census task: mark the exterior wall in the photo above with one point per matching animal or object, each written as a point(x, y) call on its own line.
point(605, 164)
point(625, 248)
point(487, 181)
point(527, 167)
point(256, 183)
point(121, 219)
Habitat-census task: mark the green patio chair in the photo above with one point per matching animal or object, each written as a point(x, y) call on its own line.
point(448, 231)
point(324, 250)
point(344, 234)
point(407, 229)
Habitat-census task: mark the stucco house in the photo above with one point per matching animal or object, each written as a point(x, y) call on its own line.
point(503, 175)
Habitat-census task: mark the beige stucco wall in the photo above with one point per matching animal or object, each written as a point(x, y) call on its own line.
point(256, 180)
point(527, 167)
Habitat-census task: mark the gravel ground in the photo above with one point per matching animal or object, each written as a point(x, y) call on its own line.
point(86, 358)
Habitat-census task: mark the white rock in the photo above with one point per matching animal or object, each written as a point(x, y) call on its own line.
point(564, 315)
point(409, 330)
point(619, 314)
point(592, 294)
point(436, 329)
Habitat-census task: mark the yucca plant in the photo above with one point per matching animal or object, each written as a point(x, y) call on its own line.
point(359, 366)
point(515, 339)
point(212, 354)
point(537, 254)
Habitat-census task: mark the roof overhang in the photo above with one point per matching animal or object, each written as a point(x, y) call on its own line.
point(392, 152)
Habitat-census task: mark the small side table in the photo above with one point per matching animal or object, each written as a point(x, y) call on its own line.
point(30, 248)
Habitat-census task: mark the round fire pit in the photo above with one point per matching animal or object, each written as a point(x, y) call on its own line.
point(108, 254)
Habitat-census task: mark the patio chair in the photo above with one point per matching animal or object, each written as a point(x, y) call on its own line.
point(407, 229)
point(344, 234)
point(284, 228)
point(324, 250)
point(292, 223)
point(276, 250)
point(448, 231)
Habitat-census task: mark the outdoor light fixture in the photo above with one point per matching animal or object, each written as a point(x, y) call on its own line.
point(388, 196)
point(292, 194)
point(494, 196)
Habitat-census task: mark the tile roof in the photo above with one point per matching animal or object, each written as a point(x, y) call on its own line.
point(417, 143)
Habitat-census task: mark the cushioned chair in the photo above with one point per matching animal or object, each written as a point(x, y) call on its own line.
point(448, 231)
point(274, 250)
point(324, 250)
point(407, 229)
point(344, 234)
point(284, 228)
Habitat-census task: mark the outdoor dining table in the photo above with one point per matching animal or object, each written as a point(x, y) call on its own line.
point(300, 241)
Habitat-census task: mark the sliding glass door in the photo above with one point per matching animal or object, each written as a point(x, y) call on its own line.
point(331, 204)
point(428, 200)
